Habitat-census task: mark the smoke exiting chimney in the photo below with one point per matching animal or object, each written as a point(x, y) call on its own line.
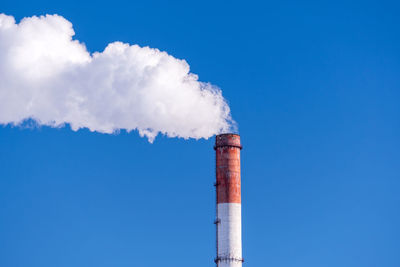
point(228, 215)
point(125, 87)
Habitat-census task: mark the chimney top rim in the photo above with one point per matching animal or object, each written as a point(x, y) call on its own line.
point(227, 140)
point(225, 134)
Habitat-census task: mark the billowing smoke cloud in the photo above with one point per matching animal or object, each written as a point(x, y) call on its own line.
point(47, 76)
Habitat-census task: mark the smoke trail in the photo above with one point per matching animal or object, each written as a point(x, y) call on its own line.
point(47, 76)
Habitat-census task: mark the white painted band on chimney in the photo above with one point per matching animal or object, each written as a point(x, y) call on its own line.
point(229, 234)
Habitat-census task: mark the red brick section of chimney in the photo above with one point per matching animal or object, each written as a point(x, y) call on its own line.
point(228, 148)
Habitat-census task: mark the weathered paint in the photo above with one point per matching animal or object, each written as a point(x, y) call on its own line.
point(227, 149)
point(228, 222)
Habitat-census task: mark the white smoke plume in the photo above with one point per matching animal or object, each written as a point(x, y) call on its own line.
point(47, 76)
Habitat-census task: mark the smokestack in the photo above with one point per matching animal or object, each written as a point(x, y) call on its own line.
point(228, 216)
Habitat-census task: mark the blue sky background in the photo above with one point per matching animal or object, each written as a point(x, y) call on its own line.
point(315, 89)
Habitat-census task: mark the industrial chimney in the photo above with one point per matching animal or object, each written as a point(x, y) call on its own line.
point(228, 215)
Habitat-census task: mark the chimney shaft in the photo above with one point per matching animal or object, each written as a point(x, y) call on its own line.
point(228, 221)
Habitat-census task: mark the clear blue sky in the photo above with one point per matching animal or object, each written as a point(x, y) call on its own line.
point(315, 89)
